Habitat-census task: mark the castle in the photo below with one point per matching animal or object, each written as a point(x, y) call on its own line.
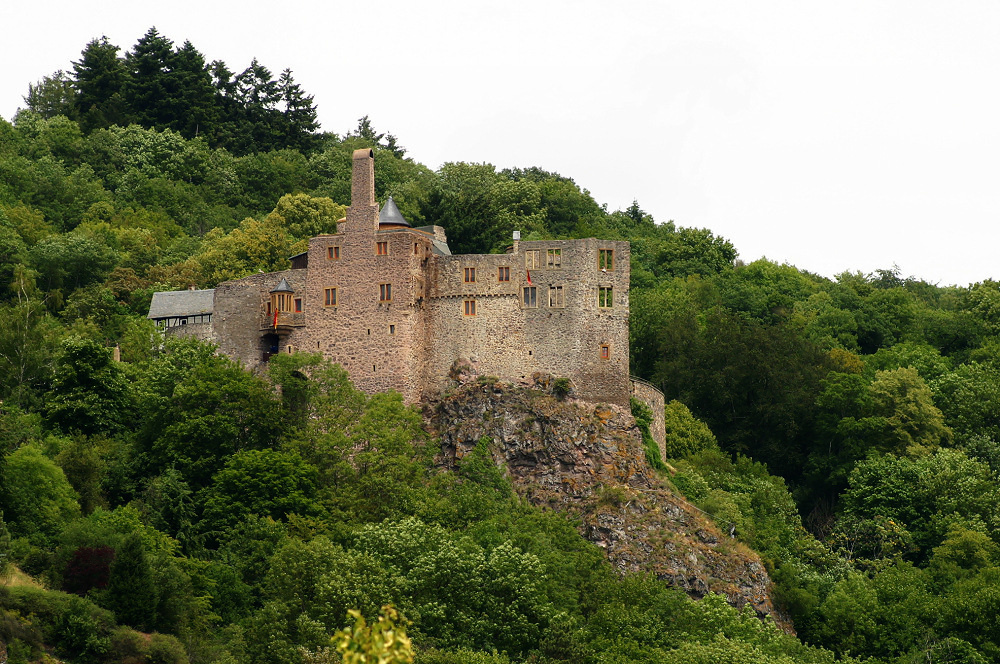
point(393, 306)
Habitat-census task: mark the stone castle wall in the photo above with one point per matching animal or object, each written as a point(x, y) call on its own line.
point(404, 314)
point(652, 397)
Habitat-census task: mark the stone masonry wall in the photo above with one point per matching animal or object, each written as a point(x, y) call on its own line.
point(511, 341)
point(403, 315)
point(239, 314)
point(652, 397)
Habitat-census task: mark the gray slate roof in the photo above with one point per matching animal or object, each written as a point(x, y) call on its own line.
point(283, 287)
point(390, 214)
point(172, 304)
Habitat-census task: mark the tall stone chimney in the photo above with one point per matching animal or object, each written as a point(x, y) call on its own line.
point(363, 212)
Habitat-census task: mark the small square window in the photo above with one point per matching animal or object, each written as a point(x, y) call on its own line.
point(606, 260)
point(470, 275)
point(384, 292)
point(605, 297)
point(605, 352)
point(329, 297)
point(530, 297)
point(470, 307)
point(556, 296)
point(333, 253)
point(553, 258)
point(503, 274)
point(382, 248)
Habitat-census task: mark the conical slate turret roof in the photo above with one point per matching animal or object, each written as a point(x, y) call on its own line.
point(282, 287)
point(390, 215)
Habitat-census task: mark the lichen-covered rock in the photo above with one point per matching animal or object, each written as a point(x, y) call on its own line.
point(588, 459)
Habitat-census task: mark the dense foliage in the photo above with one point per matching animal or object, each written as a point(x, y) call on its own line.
point(178, 508)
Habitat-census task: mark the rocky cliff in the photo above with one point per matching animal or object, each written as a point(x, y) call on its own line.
point(588, 460)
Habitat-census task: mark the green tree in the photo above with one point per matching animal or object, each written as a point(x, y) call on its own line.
point(89, 392)
point(132, 592)
point(53, 95)
point(384, 642)
point(100, 79)
point(260, 482)
point(36, 497)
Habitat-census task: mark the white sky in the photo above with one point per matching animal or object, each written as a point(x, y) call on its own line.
point(833, 136)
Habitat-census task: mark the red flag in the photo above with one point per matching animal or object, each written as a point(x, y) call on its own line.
point(529, 275)
point(275, 319)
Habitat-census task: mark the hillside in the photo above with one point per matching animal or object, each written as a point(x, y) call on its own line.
point(588, 461)
point(841, 435)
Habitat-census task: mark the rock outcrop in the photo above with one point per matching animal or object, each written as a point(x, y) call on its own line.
point(588, 460)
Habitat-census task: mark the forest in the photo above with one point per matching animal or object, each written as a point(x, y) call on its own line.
point(172, 507)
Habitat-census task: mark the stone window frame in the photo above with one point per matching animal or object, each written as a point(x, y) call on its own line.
point(605, 352)
point(382, 248)
point(297, 307)
point(605, 297)
point(553, 258)
point(470, 274)
point(532, 259)
point(557, 296)
point(330, 296)
point(470, 308)
point(333, 252)
point(606, 260)
point(532, 302)
point(503, 273)
point(385, 292)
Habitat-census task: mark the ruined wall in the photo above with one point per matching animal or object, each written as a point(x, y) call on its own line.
point(652, 397)
point(200, 331)
point(563, 334)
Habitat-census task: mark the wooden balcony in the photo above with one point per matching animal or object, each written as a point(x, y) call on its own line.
point(286, 322)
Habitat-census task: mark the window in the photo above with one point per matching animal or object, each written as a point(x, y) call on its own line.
point(606, 259)
point(416, 248)
point(382, 248)
point(269, 310)
point(470, 275)
point(605, 296)
point(329, 297)
point(392, 329)
point(530, 296)
point(281, 302)
point(333, 253)
point(503, 274)
point(556, 296)
point(531, 259)
point(384, 292)
point(605, 352)
point(470, 307)
point(553, 258)
point(298, 305)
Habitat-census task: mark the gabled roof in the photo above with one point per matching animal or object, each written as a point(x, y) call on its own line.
point(173, 304)
point(390, 215)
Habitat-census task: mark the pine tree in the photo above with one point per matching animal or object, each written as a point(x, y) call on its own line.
point(147, 90)
point(131, 592)
point(100, 77)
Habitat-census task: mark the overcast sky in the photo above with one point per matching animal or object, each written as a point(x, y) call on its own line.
point(833, 136)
